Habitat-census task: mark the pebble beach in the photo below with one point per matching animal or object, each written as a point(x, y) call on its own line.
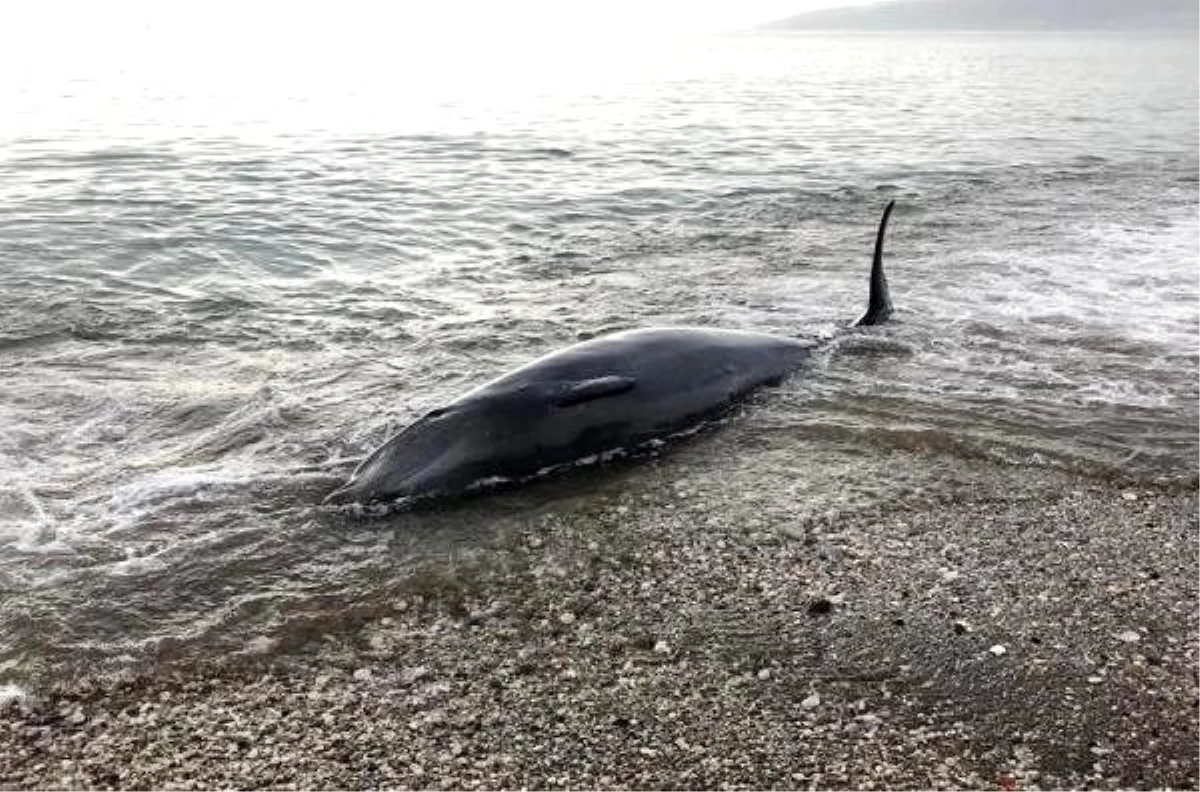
point(1036, 633)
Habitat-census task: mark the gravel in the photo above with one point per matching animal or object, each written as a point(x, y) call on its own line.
point(1014, 637)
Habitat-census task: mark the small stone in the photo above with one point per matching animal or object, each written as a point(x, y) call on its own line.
point(260, 645)
point(820, 606)
point(1129, 636)
point(566, 617)
point(1129, 495)
point(362, 674)
point(812, 701)
point(662, 647)
point(998, 650)
point(78, 718)
point(764, 673)
point(961, 627)
point(1095, 679)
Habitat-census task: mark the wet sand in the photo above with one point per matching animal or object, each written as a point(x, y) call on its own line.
point(1036, 635)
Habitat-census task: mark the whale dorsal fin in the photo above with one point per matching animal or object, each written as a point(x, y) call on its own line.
point(879, 305)
point(586, 390)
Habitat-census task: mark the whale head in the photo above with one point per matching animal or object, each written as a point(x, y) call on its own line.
point(447, 450)
point(420, 459)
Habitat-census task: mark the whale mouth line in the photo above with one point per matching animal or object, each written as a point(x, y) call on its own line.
point(340, 496)
point(343, 498)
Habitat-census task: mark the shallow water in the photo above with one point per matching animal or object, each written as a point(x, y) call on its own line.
point(213, 302)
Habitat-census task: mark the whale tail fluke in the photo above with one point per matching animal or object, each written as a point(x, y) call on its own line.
point(879, 306)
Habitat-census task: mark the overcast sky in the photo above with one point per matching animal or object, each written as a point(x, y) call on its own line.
point(222, 42)
point(45, 20)
point(653, 14)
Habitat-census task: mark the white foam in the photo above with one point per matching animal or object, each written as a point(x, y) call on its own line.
point(135, 565)
point(12, 693)
point(27, 524)
point(1126, 394)
point(179, 483)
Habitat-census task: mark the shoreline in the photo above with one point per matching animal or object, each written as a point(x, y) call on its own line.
point(1011, 638)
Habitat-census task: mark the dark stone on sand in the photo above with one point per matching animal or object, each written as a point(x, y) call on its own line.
point(821, 606)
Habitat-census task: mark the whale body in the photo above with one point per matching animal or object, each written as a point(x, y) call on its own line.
point(616, 393)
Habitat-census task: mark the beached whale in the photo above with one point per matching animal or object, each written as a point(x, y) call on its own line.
point(608, 395)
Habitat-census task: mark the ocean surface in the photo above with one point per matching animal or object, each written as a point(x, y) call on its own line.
point(218, 289)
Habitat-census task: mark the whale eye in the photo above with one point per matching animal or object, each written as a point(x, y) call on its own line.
point(438, 413)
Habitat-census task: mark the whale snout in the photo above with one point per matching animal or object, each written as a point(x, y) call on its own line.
point(372, 486)
point(411, 464)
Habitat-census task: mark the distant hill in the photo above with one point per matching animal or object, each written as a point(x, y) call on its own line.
point(1003, 15)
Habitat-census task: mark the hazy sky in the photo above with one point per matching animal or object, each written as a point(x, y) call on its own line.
point(651, 14)
point(126, 41)
point(50, 20)
point(73, 64)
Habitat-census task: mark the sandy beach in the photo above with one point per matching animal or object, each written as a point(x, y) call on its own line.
point(1037, 632)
